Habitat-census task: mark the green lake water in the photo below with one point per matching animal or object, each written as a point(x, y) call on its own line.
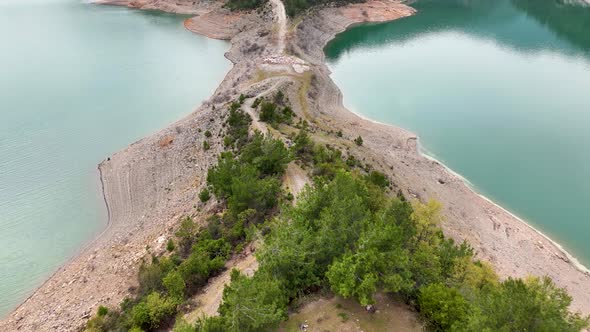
point(497, 90)
point(79, 82)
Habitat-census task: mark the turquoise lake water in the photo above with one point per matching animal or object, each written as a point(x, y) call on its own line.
point(79, 82)
point(497, 90)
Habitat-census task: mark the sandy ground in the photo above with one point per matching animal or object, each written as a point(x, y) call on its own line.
point(335, 314)
point(152, 183)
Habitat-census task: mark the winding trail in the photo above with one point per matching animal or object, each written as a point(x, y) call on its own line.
point(256, 123)
point(209, 300)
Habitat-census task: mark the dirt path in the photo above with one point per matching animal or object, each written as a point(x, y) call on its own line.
point(281, 17)
point(209, 299)
point(295, 179)
point(256, 123)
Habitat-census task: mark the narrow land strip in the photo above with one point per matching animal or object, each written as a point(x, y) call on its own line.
point(155, 181)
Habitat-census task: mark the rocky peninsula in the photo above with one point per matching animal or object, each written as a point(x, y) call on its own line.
point(154, 182)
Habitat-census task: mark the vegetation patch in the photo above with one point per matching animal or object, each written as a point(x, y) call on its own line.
point(346, 234)
point(245, 4)
point(247, 182)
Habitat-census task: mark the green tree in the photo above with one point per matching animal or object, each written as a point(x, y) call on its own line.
point(303, 146)
point(427, 219)
point(252, 304)
point(248, 191)
point(239, 123)
point(170, 245)
point(525, 305)
point(150, 275)
point(186, 235)
point(175, 285)
point(288, 256)
point(378, 262)
point(221, 175)
point(358, 141)
point(379, 179)
point(204, 195)
point(468, 275)
point(102, 311)
point(279, 98)
point(268, 112)
point(444, 307)
point(268, 155)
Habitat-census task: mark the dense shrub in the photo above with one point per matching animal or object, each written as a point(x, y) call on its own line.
point(274, 114)
point(303, 146)
point(170, 245)
point(344, 233)
point(358, 141)
point(378, 179)
point(148, 314)
point(444, 307)
point(340, 234)
point(204, 195)
point(150, 275)
point(238, 122)
point(268, 155)
point(102, 311)
point(265, 308)
point(524, 305)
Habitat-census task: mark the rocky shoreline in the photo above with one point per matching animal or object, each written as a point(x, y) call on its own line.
point(152, 183)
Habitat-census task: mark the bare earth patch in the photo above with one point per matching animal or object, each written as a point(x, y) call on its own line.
point(374, 11)
point(341, 315)
point(209, 299)
point(216, 25)
point(295, 179)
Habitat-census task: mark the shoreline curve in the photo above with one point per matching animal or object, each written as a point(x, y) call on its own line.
point(151, 186)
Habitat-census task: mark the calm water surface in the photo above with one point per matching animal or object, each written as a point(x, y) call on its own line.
point(498, 90)
point(77, 83)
